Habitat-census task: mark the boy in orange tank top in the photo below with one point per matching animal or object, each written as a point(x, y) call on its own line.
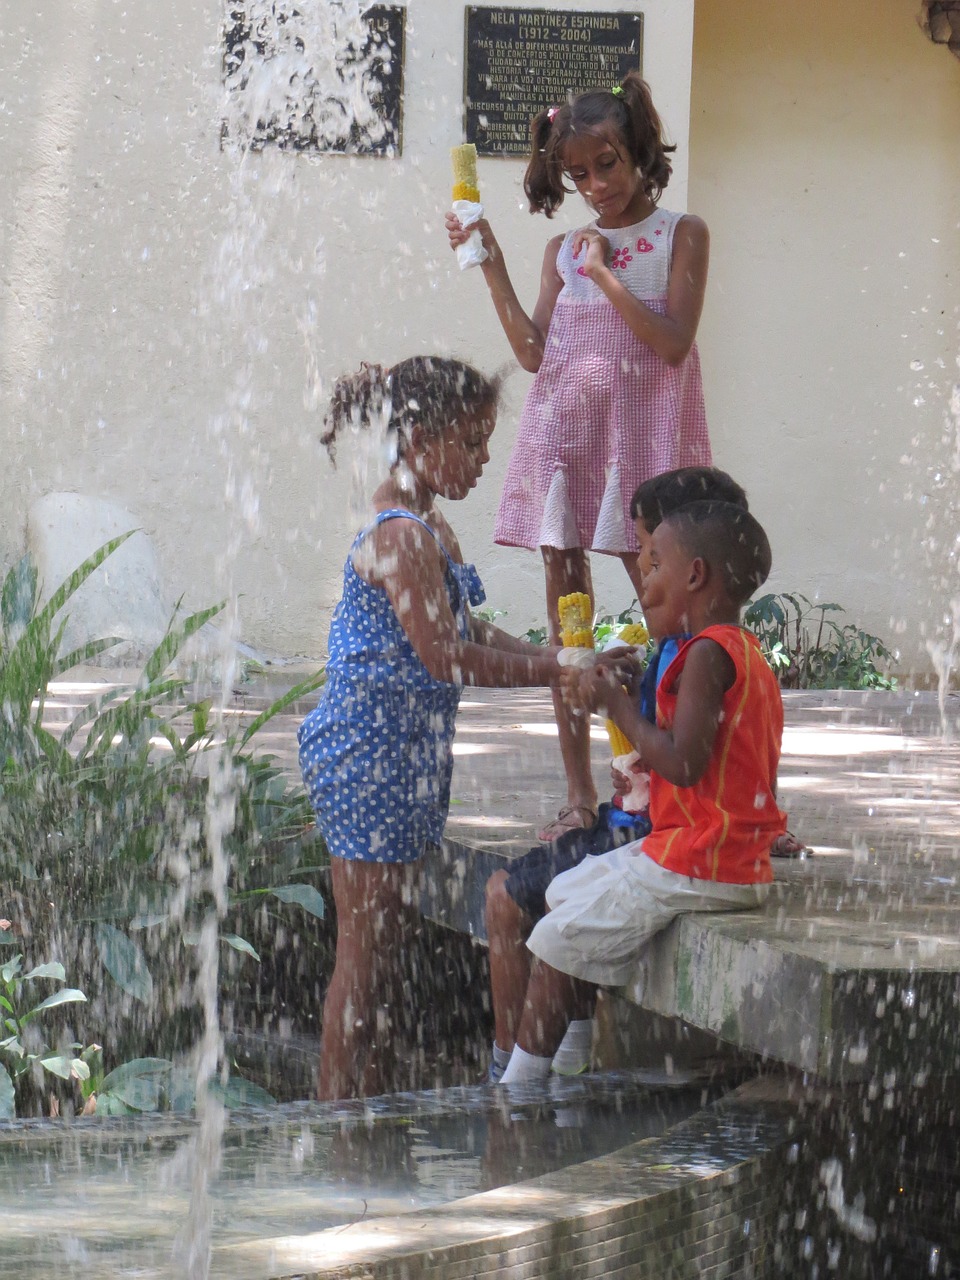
point(712, 756)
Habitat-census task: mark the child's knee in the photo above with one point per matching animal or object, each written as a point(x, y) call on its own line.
point(502, 913)
point(494, 895)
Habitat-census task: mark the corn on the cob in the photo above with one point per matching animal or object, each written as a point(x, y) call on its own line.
point(634, 633)
point(576, 620)
point(576, 631)
point(620, 744)
point(465, 182)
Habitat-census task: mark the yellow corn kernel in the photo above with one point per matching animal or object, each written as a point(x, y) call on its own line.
point(461, 191)
point(620, 744)
point(634, 633)
point(576, 620)
point(466, 185)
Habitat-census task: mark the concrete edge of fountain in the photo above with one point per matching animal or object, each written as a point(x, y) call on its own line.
point(704, 1191)
point(845, 995)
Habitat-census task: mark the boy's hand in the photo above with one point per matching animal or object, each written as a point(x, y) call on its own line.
point(626, 664)
point(621, 783)
point(592, 689)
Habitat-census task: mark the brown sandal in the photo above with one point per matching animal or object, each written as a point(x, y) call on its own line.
point(568, 819)
point(790, 846)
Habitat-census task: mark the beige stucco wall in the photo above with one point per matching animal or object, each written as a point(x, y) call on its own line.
point(825, 158)
point(171, 316)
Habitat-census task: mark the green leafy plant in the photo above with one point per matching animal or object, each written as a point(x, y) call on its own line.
point(24, 1052)
point(27, 1060)
point(809, 649)
point(145, 1085)
point(105, 828)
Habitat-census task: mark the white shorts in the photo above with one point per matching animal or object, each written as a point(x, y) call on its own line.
point(604, 912)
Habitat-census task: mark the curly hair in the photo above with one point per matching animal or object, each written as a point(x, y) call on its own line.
point(625, 113)
point(426, 391)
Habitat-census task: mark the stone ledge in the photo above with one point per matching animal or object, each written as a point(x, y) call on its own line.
point(850, 971)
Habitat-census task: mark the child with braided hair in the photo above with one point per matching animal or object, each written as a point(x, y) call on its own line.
point(617, 397)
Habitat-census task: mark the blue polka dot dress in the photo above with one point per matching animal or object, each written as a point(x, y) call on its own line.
point(377, 753)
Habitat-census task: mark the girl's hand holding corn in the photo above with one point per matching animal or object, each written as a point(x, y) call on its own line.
point(467, 209)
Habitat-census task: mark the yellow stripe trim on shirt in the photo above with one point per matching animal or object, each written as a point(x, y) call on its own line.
point(725, 755)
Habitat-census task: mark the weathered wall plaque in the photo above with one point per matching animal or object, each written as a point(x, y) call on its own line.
point(297, 82)
point(519, 61)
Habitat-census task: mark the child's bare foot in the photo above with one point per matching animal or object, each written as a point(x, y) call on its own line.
point(569, 818)
point(788, 846)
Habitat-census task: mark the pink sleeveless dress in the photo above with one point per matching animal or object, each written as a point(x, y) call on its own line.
point(604, 412)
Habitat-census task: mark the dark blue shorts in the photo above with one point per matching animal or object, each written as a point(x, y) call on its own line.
point(531, 873)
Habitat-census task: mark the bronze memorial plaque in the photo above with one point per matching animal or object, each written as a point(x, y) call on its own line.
point(519, 61)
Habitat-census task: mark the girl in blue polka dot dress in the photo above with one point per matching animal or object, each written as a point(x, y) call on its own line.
point(376, 754)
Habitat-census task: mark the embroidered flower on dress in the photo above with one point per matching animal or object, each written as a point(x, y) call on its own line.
point(620, 259)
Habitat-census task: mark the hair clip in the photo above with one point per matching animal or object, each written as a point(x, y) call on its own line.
point(551, 112)
point(617, 90)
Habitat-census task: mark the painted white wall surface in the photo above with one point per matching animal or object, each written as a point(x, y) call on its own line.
point(172, 319)
point(824, 158)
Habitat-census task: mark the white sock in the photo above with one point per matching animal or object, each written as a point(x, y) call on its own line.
point(501, 1056)
point(498, 1063)
point(524, 1067)
point(573, 1056)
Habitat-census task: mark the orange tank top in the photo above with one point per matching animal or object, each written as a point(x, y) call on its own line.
point(722, 828)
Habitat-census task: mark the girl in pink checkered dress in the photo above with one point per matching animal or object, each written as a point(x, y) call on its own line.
point(617, 396)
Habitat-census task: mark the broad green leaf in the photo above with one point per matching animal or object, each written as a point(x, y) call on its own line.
point(7, 1107)
point(242, 1093)
point(142, 1094)
point(66, 1068)
point(67, 996)
point(304, 895)
point(135, 1085)
point(52, 969)
point(149, 921)
point(181, 1090)
point(239, 944)
point(136, 1069)
point(108, 1105)
point(125, 962)
point(10, 970)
